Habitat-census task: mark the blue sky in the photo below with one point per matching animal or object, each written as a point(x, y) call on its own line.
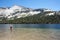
point(50, 4)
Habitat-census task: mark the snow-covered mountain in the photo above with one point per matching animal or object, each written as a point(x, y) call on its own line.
point(14, 9)
point(20, 11)
point(17, 11)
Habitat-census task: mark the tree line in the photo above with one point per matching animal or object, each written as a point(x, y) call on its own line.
point(35, 19)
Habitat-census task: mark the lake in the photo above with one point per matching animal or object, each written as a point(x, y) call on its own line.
point(30, 32)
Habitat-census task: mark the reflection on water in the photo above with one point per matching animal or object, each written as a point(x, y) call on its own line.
point(52, 26)
point(30, 32)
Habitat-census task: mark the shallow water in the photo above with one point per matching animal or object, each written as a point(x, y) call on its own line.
point(28, 33)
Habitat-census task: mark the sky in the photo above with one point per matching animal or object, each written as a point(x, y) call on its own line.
point(35, 4)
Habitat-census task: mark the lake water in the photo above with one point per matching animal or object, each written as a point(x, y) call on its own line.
point(30, 32)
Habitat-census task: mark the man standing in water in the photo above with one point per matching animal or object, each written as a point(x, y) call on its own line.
point(11, 28)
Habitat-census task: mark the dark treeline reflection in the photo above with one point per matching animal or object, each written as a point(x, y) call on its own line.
point(53, 26)
point(48, 26)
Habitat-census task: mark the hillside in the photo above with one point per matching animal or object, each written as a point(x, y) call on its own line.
point(35, 19)
point(24, 15)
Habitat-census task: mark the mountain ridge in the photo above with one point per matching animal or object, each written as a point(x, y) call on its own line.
point(21, 11)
